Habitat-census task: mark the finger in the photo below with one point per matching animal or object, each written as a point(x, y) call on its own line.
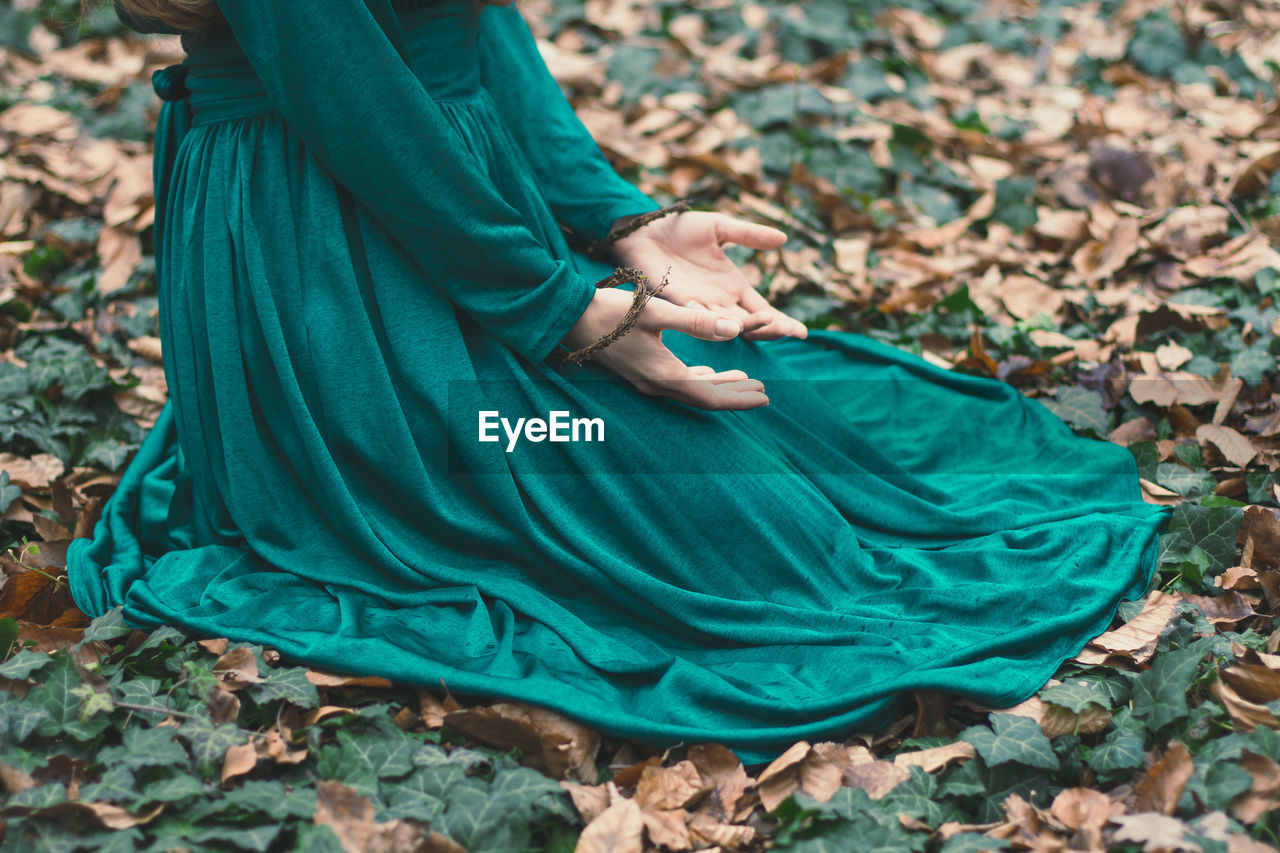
point(749, 234)
point(725, 376)
point(702, 370)
point(707, 395)
point(700, 323)
point(756, 320)
point(779, 324)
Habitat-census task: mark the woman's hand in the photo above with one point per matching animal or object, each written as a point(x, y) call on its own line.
point(702, 274)
point(641, 358)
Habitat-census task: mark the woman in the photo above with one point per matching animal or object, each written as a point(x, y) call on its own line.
point(367, 295)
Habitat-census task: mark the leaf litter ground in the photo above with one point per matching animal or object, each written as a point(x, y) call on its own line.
point(1079, 198)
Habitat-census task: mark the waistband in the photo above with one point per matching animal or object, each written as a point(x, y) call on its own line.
point(218, 82)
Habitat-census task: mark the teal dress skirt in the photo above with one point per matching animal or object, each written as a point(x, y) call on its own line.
point(362, 216)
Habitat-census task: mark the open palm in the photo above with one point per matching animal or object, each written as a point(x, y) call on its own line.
point(701, 274)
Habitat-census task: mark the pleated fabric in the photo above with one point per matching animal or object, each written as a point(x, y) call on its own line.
point(317, 483)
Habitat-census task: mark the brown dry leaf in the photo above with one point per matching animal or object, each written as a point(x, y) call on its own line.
point(1245, 715)
point(668, 829)
point(1264, 796)
point(618, 829)
point(237, 668)
point(324, 712)
point(223, 705)
point(776, 782)
point(239, 760)
point(350, 816)
point(1058, 721)
point(1261, 531)
point(121, 252)
point(1237, 449)
point(589, 800)
point(147, 347)
point(1237, 577)
point(548, 741)
point(1024, 297)
point(1136, 639)
point(1161, 788)
point(1253, 681)
point(1225, 609)
point(330, 679)
point(720, 768)
point(724, 834)
point(935, 758)
point(216, 646)
point(35, 472)
point(1085, 812)
point(15, 779)
point(1156, 833)
point(29, 120)
point(675, 787)
point(1171, 356)
point(277, 749)
point(877, 778)
point(1163, 389)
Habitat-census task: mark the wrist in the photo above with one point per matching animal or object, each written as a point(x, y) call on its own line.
point(625, 226)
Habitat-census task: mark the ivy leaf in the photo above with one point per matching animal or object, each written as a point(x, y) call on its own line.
point(972, 842)
point(420, 796)
point(1184, 481)
point(8, 492)
point(917, 796)
point(58, 696)
point(41, 796)
point(209, 743)
point(382, 751)
point(154, 746)
point(1213, 529)
point(862, 833)
point(1157, 46)
point(173, 787)
point(1075, 694)
point(108, 626)
point(1080, 408)
point(117, 784)
point(24, 663)
point(108, 452)
point(25, 718)
point(1253, 362)
point(1122, 750)
point(1014, 204)
point(289, 684)
point(1015, 739)
point(1160, 693)
point(990, 786)
point(498, 819)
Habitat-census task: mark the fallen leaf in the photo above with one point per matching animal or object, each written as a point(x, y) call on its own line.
point(618, 829)
point(1161, 788)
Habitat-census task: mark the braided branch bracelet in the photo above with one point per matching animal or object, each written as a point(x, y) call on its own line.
point(642, 295)
point(599, 250)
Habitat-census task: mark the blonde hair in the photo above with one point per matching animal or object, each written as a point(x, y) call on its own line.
point(184, 15)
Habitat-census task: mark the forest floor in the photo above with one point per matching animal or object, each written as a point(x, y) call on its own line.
point(1079, 198)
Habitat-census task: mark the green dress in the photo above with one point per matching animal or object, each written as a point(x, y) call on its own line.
point(361, 249)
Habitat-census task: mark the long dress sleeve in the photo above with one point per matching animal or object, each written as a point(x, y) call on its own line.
point(337, 73)
point(584, 191)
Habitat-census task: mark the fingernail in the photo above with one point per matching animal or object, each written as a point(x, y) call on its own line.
point(726, 328)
